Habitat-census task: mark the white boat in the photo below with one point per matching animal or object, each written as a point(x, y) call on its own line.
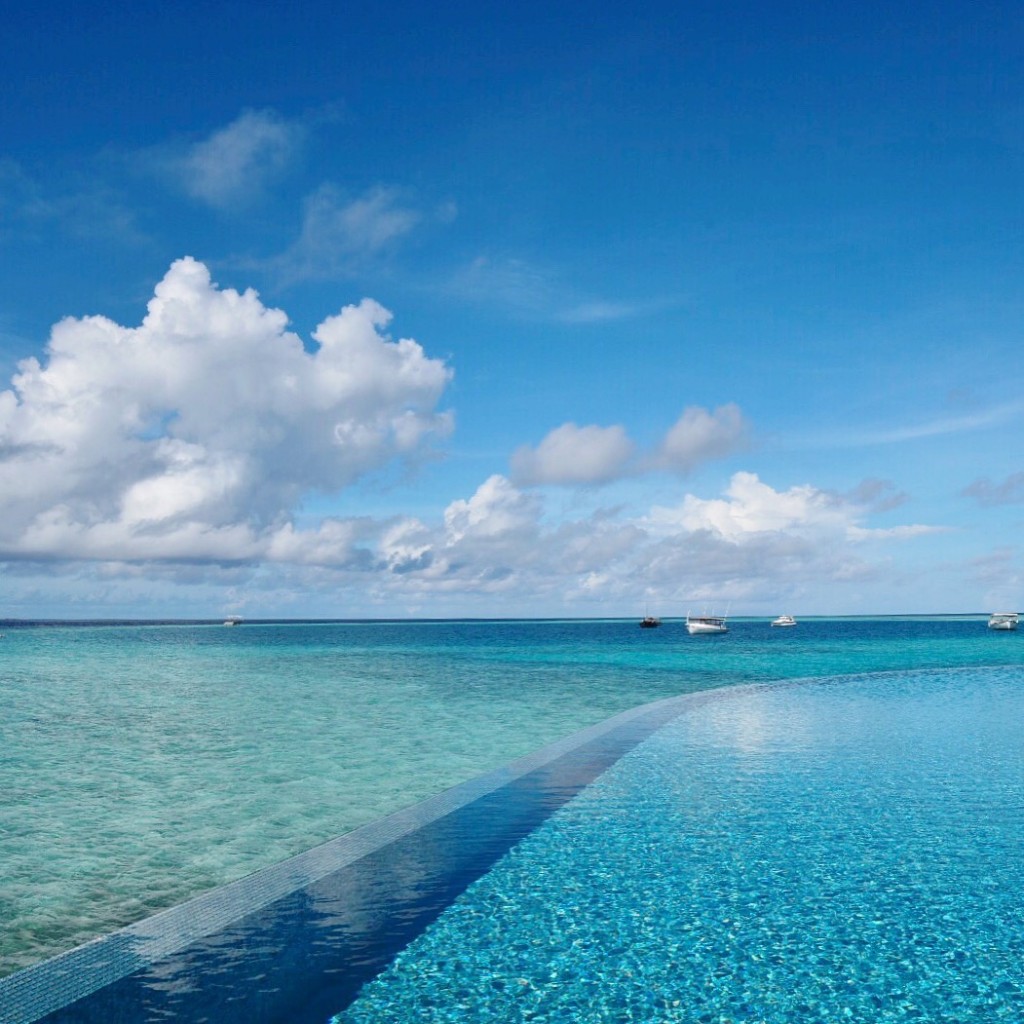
point(784, 620)
point(1003, 620)
point(698, 624)
point(233, 620)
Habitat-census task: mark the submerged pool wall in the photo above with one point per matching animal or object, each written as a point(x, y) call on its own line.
point(294, 942)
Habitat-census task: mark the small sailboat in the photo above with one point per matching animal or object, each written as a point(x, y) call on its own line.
point(650, 622)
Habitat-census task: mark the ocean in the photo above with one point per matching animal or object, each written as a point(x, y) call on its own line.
point(141, 764)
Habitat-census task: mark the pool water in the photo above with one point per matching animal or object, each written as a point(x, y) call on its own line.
point(849, 849)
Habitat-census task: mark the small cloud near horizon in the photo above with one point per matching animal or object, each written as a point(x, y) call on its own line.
point(989, 494)
point(875, 494)
point(700, 435)
point(571, 455)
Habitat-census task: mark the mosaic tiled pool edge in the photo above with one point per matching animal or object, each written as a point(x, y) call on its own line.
point(297, 940)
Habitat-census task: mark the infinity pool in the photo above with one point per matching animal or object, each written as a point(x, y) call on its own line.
point(848, 850)
point(840, 849)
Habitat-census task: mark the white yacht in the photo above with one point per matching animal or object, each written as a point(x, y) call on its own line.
point(1003, 620)
point(784, 620)
point(697, 624)
point(233, 620)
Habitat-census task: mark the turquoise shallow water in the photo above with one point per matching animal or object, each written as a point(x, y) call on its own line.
point(842, 850)
point(140, 765)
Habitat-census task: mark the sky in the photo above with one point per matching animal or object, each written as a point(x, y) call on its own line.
point(510, 309)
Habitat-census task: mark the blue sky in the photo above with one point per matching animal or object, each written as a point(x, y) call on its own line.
point(680, 306)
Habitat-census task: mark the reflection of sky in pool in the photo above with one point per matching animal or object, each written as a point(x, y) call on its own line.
point(845, 851)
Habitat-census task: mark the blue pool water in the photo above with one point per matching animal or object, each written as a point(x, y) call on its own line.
point(847, 850)
point(142, 765)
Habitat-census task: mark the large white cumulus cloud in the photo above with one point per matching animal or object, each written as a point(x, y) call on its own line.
point(195, 434)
